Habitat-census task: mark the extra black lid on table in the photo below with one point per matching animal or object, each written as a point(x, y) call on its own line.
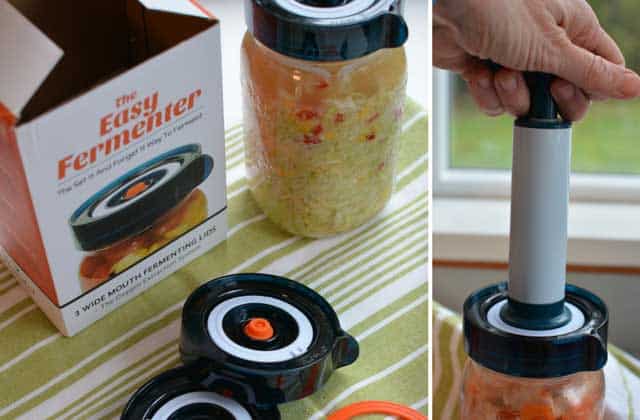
point(327, 30)
point(135, 201)
point(179, 394)
point(249, 342)
point(576, 347)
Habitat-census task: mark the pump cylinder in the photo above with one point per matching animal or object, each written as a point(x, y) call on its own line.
point(539, 207)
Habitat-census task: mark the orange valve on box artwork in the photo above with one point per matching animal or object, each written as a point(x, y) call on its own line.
point(141, 212)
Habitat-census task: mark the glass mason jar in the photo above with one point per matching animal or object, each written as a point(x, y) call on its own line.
point(321, 131)
point(489, 395)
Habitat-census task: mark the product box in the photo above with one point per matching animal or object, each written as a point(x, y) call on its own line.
point(112, 172)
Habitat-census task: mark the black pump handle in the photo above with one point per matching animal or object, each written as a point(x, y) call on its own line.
point(543, 106)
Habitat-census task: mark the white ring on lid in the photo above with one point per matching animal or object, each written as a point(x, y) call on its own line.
point(577, 321)
point(352, 8)
point(297, 348)
point(202, 397)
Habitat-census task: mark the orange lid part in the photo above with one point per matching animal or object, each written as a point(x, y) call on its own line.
point(135, 190)
point(259, 329)
point(376, 407)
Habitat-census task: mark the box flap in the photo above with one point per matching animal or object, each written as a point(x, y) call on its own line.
point(185, 7)
point(27, 57)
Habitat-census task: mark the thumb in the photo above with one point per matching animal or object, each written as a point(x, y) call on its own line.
point(596, 75)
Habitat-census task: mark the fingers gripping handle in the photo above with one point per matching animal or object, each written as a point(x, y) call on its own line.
point(543, 106)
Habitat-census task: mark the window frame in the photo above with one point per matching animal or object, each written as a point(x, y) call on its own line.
point(451, 182)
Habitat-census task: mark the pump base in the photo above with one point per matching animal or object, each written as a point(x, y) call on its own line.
point(535, 317)
point(579, 346)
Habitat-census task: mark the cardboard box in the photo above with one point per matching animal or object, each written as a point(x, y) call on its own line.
point(112, 172)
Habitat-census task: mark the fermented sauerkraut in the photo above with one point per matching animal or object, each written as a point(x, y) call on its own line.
point(321, 138)
point(488, 395)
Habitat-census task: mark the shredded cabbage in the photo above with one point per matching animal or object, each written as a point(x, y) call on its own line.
point(321, 142)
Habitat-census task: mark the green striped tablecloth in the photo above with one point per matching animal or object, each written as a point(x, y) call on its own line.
point(622, 373)
point(375, 276)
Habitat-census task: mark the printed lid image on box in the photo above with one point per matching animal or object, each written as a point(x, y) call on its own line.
point(140, 212)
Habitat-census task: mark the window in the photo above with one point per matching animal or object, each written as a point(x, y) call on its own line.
point(473, 151)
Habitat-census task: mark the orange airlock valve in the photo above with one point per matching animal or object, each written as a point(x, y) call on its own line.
point(259, 329)
point(376, 407)
point(135, 190)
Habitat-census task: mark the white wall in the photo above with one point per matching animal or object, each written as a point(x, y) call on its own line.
point(621, 293)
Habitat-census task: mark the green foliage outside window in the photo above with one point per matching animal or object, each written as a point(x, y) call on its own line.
point(607, 141)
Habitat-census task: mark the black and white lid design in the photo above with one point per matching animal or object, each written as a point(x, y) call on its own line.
point(278, 339)
point(327, 30)
point(178, 394)
point(261, 329)
point(132, 203)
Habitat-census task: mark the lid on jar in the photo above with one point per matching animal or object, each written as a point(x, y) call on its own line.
point(134, 202)
point(327, 30)
point(579, 345)
point(277, 339)
point(179, 394)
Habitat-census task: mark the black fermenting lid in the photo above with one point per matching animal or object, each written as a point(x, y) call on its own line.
point(179, 394)
point(576, 347)
point(135, 201)
point(327, 30)
point(304, 343)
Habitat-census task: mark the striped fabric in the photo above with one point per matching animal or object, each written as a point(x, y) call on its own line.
point(622, 373)
point(375, 276)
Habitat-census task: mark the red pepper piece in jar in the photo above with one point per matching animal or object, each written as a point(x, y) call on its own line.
point(371, 137)
point(317, 130)
point(340, 117)
point(306, 114)
point(322, 84)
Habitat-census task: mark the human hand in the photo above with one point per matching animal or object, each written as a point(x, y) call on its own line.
point(561, 37)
